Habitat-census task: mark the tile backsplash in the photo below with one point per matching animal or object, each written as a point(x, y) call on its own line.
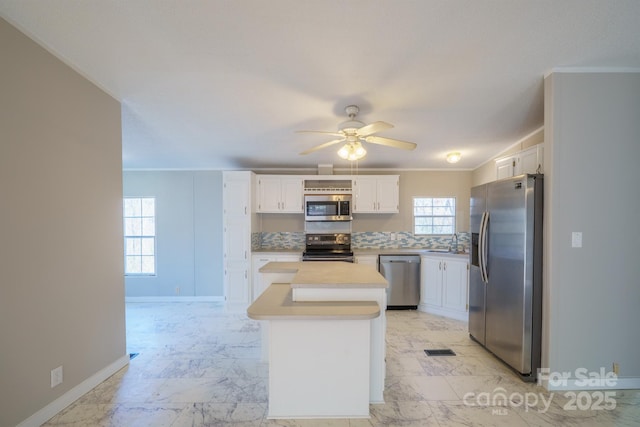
point(277, 240)
point(404, 240)
point(360, 240)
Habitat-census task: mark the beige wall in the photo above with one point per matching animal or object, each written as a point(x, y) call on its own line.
point(61, 260)
point(412, 184)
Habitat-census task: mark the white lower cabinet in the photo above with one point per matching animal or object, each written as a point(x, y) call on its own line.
point(371, 260)
point(258, 260)
point(443, 286)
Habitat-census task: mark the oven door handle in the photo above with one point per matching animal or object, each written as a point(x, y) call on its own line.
point(347, 259)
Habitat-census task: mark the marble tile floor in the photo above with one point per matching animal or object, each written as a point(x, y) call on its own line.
point(199, 365)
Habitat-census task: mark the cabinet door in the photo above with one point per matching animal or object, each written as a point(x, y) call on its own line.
point(505, 168)
point(237, 240)
point(531, 160)
point(366, 189)
point(236, 198)
point(387, 195)
point(291, 199)
point(431, 281)
point(237, 282)
point(258, 284)
point(455, 284)
point(268, 194)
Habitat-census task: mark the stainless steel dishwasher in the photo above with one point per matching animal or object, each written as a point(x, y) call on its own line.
point(402, 271)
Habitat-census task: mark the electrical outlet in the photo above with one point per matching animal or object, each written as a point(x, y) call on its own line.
point(576, 239)
point(616, 368)
point(56, 376)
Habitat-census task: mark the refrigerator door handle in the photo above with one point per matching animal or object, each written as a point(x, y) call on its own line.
point(484, 225)
point(480, 239)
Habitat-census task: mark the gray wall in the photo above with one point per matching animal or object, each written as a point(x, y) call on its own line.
point(61, 259)
point(592, 150)
point(188, 232)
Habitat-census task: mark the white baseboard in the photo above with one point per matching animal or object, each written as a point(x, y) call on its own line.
point(53, 408)
point(175, 299)
point(446, 312)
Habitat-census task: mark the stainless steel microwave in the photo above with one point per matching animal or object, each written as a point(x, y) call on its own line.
point(327, 207)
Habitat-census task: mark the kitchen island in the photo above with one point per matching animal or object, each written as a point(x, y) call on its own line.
point(303, 331)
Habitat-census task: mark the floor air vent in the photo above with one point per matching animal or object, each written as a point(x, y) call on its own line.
point(440, 352)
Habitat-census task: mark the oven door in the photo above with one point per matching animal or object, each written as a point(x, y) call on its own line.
point(328, 255)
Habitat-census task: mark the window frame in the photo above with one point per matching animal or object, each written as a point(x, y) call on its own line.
point(414, 216)
point(141, 237)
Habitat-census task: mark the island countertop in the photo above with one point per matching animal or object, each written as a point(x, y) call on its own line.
point(328, 274)
point(276, 303)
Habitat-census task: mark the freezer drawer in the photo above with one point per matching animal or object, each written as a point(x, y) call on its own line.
point(403, 274)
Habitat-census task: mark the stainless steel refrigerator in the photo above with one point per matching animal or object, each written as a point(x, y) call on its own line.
point(505, 278)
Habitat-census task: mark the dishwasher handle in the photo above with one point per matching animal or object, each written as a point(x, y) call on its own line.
point(399, 259)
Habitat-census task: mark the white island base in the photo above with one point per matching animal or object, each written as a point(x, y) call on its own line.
point(319, 369)
point(319, 354)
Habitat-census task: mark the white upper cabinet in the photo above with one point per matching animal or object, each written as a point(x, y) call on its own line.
point(530, 160)
point(505, 167)
point(279, 194)
point(376, 194)
point(285, 193)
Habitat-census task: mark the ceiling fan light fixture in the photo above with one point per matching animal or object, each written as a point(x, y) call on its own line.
point(353, 131)
point(352, 151)
point(454, 157)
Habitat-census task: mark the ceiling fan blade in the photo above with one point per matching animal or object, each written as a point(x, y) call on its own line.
point(373, 128)
point(321, 132)
point(396, 143)
point(321, 146)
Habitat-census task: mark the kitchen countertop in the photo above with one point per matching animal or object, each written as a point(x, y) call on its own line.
point(328, 274)
point(276, 303)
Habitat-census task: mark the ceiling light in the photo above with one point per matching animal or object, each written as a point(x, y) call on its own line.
point(454, 157)
point(352, 151)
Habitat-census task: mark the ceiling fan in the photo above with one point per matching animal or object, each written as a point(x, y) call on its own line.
point(353, 132)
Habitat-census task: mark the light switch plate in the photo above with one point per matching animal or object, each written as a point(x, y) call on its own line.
point(576, 239)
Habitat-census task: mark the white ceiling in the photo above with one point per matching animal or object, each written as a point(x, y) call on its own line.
point(212, 84)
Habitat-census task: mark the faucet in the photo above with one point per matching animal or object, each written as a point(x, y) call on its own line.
point(454, 246)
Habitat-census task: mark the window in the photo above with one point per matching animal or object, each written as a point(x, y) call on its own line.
point(140, 236)
point(434, 215)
